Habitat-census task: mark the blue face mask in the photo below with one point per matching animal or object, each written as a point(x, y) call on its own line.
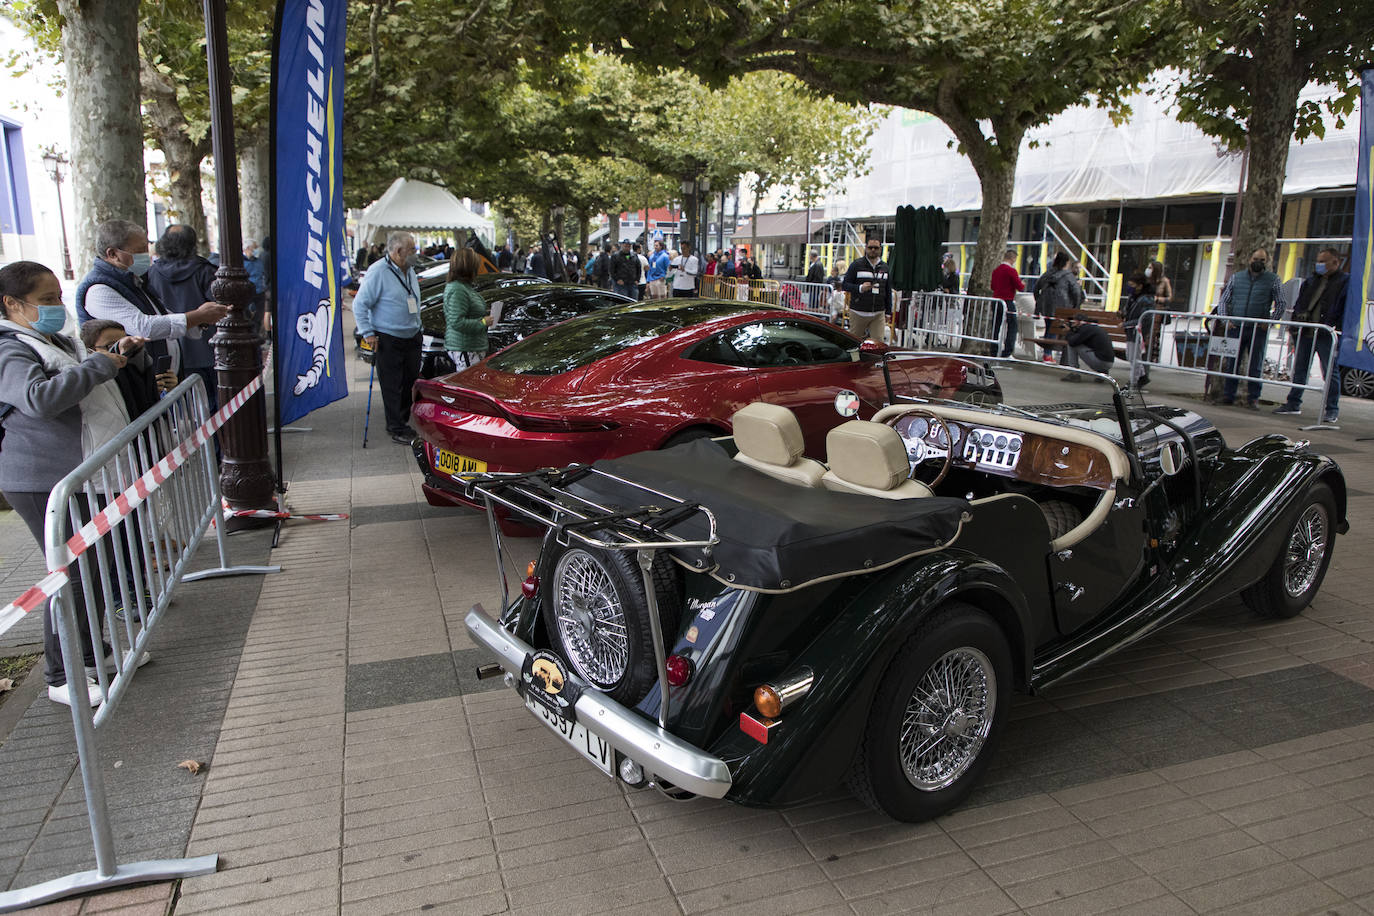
point(141, 264)
point(1320, 268)
point(51, 318)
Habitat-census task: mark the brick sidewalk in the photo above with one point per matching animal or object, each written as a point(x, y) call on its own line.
point(359, 767)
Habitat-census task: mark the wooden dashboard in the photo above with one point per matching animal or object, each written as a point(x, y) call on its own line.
point(1025, 456)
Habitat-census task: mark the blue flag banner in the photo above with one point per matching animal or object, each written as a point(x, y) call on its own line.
point(1357, 337)
point(308, 214)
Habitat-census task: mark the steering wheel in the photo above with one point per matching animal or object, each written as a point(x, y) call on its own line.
point(793, 353)
point(929, 451)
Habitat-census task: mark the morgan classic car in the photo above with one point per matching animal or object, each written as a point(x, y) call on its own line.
point(729, 619)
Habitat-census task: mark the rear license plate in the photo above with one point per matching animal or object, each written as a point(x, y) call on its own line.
point(591, 747)
point(453, 463)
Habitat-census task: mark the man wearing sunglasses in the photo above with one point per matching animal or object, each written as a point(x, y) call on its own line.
point(870, 293)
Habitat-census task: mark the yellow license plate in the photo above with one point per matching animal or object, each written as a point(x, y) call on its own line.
point(453, 463)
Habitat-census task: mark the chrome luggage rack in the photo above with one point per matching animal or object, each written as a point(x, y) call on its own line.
point(543, 497)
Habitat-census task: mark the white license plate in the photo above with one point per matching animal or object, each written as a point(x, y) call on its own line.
point(592, 747)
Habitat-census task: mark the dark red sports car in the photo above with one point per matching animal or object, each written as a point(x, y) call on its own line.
point(651, 375)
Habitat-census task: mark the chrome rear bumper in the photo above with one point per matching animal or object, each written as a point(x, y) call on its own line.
point(658, 752)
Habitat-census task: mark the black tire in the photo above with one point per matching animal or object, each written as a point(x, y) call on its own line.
point(959, 639)
point(597, 619)
point(690, 435)
point(1297, 572)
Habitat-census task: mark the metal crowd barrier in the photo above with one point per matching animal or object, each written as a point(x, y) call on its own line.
point(139, 507)
point(811, 298)
point(1219, 346)
point(954, 322)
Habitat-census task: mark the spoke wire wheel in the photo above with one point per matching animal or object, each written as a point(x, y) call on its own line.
point(948, 718)
point(591, 618)
point(1303, 554)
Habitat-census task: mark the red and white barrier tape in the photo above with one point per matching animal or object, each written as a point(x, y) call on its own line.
point(271, 513)
point(122, 505)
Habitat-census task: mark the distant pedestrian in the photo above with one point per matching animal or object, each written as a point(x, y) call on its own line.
point(1252, 293)
point(387, 313)
point(1321, 300)
point(505, 259)
point(466, 317)
point(949, 274)
point(625, 270)
point(816, 272)
point(658, 272)
point(257, 277)
point(181, 279)
point(1088, 343)
point(869, 285)
point(1057, 288)
point(1137, 331)
point(689, 268)
point(1006, 283)
point(643, 283)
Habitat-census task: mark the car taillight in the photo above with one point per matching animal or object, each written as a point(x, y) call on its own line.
point(679, 670)
point(551, 423)
point(530, 587)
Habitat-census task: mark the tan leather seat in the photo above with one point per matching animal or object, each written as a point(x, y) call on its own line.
point(769, 439)
point(867, 457)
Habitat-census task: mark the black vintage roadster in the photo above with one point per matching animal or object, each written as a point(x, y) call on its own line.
point(728, 618)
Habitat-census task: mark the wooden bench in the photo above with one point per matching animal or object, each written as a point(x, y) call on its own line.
point(1057, 329)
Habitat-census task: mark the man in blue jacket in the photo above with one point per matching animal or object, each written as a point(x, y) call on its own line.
point(387, 310)
point(1251, 293)
point(659, 263)
point(1321, 299)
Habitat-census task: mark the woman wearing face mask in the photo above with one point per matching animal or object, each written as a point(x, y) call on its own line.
point(61, 403)
point(114, 290)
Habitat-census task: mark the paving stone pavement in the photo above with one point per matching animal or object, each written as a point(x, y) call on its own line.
point(357, 766)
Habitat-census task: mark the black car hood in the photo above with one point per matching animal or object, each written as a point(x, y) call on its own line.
point(776, 536)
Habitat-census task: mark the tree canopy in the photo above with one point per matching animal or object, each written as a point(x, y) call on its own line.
point(1250, 62)
point(989, 71)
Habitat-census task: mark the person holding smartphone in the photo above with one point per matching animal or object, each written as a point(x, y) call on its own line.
point(61, 403)
point(143, 379)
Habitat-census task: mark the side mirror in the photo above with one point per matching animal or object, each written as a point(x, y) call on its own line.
point(1172, 457)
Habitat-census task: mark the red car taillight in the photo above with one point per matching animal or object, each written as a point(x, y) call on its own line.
point(549, 423)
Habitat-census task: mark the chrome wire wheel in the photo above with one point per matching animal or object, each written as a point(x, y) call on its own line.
point(1302, 560)
point(591, 618)
point(948, 718)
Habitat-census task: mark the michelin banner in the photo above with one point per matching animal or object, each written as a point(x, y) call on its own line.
point(308, 217)
point(1357, 338)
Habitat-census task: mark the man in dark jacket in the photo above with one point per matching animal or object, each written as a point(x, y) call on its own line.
point(1088, 343)
point(816, 272)
point(1252, 293)
point(181, 279)
point(870, 293)
point(625, 270)
point(1321, 300)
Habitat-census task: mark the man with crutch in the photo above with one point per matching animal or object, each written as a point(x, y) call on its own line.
point(387, 311)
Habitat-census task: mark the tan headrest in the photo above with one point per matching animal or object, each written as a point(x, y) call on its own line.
point(868, 454)
point(768, 433)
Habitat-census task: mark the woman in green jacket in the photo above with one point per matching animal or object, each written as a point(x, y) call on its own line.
point(465, 313)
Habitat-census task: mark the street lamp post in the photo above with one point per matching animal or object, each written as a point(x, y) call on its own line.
point(699, 241)
point(245, 473)
point(55, 162)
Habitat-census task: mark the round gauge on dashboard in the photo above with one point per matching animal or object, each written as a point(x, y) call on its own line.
point(939, 435)
point(1015, 445)
point(1001, 442)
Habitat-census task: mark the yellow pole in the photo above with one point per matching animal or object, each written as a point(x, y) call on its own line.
point(1290, 261)
point(1019, 249)
point(963, 258)
point(1213, 257)
point(1114, 279)
point(1082, 264)
point(1044, 256)
point(1159, 253)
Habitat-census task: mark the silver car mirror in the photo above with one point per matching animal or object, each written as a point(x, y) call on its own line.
point(1172, 457)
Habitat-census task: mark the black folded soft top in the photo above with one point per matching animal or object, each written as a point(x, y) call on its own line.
point(773, 535)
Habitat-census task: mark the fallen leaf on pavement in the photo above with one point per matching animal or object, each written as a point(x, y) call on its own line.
point(6, 683)
point(191, 766)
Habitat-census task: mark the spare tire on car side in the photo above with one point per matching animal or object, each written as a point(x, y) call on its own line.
point(597, 616)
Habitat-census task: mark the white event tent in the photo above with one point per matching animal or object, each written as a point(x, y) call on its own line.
point(421, 207)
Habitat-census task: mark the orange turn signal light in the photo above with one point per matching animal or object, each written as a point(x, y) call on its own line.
point(529, 570)
point(767, 701)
